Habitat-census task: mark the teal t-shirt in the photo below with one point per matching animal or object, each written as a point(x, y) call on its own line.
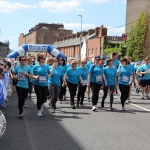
point(110, 75)
point(96, 74)
point(115, 64)
point(83, 73)
point(41, 72)
point(125, 73)
point(144, 68)
point(55, 79)
point(73, 75)
point(23, 80)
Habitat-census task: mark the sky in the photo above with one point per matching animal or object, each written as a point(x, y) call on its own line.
point(18, 16)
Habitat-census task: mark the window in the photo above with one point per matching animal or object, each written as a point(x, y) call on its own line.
point(92, 51)
point(96, 51)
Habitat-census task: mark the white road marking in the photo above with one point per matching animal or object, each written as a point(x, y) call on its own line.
point(140, 107)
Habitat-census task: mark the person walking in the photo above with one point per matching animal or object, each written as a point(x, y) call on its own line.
point(125, 73)
point(111, 79)
point(22, 72)
point(95, 78)
point(72, 81)
point(42, 73)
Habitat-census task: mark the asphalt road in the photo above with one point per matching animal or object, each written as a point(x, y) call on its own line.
point(79, 129)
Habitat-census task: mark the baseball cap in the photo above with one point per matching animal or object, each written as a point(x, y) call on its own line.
point(97, 57)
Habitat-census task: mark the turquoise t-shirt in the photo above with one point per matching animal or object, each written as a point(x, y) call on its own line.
point(96, 74)
point(73, 75)
point(125, 73)
point(55, 79)
point(144, 68)
point(115, 64)
point(84, 72)
point(23, 80)
point(135, 69)
point(42, 72)
point(30, 79)
point(110, 74)
point(64, 67)
point(89, 64)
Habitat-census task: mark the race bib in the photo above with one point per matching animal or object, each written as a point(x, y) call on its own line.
point(84, 82)
point(98, 78)
point(125, 79)
point(21, 77)
point(42, 79)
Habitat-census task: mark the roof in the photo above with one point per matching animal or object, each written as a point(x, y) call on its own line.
point(72, 42)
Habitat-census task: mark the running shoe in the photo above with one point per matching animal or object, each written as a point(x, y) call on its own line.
point(53, 110)
point(147, 96)
point(88, 99)
point(20, 115)
point(24, 106)
point(94, 108)
point(142, 97)
point(39, 114)
point(123, 108)
point(73, 106)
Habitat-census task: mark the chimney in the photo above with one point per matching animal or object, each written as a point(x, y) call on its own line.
point(97, 31)
point(77, 34)
point(73, 36)
point(61, 39)
point(58, 39)
point(69, 37)
point(102, 31)
point(65, 38)
point(90, 31)
point(84, 33)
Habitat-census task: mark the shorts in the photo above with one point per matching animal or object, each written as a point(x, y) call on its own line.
point(14, 82)
point(145, 83)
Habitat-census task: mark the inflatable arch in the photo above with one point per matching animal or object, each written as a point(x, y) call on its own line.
point(37, 48)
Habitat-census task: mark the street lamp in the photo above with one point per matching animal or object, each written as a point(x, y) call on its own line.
point(80, 34)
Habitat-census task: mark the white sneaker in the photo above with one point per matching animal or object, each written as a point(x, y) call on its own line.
point(53, 110)
point(39, 114)
point(142, 97)
point(94, 108)
point(24, 106)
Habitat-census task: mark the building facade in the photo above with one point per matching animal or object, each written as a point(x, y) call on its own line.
point(94, 39)
point(4, 49)
point(134, 8)
point(43, 33)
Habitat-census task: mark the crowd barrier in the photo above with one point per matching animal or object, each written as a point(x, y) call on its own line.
point(5, 90)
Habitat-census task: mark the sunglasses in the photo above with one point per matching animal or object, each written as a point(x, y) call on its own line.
point(55, 61)
point(43, 58)
point(23, 59)
point(60, 60)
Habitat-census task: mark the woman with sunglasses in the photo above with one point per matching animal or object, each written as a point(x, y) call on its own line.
point(42, 73)
point(125, 73)
point(22, 71)
point(73, 75)
point(62, 95)
point(111, 77)
point(83, 84)
point(95, 78)
point(55, 83)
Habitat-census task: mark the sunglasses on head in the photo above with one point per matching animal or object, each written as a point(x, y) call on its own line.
point(43, 58)
point(23, 59)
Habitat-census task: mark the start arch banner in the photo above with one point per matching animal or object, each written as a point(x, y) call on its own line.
point(36, 48)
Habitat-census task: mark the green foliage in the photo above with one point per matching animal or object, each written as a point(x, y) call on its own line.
point(109, 51)
point(137, 37)
point(123, 49)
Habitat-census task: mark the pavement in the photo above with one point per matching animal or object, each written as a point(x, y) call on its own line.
point(79, 129)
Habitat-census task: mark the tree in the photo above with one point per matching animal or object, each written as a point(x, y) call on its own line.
point(137, 37)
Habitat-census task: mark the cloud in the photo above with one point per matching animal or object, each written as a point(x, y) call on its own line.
point(63, 6)
point(6, 7)
point(95, 1)
point(115, 31)
point(77, 26)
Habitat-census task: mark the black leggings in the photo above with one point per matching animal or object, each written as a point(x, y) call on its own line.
point(81, 93)
point(95, 92)
point(41, 93)
point(72, 91)
point(124, 89)
point(105, 89)
point(22, 95)
point(62, 92)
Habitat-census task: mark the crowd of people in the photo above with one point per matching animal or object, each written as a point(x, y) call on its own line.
point(49, 77)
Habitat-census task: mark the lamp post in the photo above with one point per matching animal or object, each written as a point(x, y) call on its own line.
point(80, 35)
